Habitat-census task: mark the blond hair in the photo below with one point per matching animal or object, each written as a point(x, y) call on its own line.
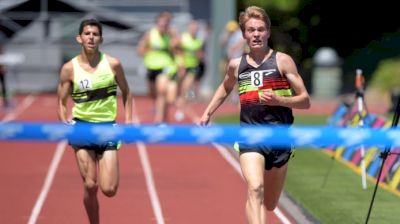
point(254, 12)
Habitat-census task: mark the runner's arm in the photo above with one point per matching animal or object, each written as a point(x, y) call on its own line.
point(124, 87)
point(222, 91)
point(301, 98)
point(63, 91)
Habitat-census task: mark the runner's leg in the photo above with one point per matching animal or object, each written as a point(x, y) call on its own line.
point(109, 172)
point(86, 160)
point(252, 165)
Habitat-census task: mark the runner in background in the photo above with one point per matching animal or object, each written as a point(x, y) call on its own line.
point(191, 49)
point(204, 36)
point(156, 49)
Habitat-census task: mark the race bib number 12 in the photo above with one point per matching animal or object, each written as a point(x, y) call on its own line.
point(85, 84)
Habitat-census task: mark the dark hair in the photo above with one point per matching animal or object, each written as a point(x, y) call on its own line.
point(164, 14)
point(91, 22)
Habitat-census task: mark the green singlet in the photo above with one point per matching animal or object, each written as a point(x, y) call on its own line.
point(190, 46)
point(159, 56)
point(94, 93)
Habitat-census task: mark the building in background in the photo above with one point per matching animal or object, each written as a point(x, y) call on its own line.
point(43, 33)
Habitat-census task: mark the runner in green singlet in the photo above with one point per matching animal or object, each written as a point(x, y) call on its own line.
point(156, 49)
point(91, 79)
point(192, 52)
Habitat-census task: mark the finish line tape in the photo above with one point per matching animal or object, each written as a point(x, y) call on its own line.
point(278, 136)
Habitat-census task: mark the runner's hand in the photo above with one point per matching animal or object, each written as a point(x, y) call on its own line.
point(71, 122)
point(204, 120)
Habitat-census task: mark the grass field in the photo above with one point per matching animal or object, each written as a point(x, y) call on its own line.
point(329, 190)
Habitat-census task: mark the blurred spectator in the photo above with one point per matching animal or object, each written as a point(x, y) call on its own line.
point(204, 36)
point(232, 41)
point(3, 72)
point(234, 45)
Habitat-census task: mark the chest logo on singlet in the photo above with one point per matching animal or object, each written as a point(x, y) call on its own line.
point(257, 77)
point(244, 75)
point(85, 83)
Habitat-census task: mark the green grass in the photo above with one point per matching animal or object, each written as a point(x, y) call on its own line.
point(329, 190)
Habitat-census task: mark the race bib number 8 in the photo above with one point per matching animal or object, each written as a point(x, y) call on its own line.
point(257, 77)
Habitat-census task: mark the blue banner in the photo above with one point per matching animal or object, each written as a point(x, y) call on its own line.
point(310, 136)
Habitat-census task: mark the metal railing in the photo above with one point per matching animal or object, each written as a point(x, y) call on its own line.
point(49, 39)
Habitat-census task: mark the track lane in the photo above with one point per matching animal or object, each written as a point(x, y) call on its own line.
point(279, 215)
point(194, 183)
point(64, 203)
point(131, 204)
point(24, 165)
point(22, 178)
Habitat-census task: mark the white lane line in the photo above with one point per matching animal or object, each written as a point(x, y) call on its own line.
point(281, 216)
point(146, 167)
point(27, 102)
point(55, 161)
point(235, 164)
point(48, 182)
point(229, 158)
point(151, 187)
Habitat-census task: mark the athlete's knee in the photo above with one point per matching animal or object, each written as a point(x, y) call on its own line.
point(110, 191)
point(255, 190)
point(161, 90)
point(90, 186)
point(270, 205)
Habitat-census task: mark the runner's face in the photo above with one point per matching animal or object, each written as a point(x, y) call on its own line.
point(90, 37)
point(256, 33)
point(193, 28)
point(163, 24)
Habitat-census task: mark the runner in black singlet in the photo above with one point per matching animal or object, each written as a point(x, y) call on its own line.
point(269, 86)
point(252, 81)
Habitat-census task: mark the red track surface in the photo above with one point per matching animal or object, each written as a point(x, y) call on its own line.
point(193, 184)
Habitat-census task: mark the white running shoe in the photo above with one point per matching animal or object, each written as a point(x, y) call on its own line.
point(179, 115)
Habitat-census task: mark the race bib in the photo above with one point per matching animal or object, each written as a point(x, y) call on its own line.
point(85, 83)
point(257, 77)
